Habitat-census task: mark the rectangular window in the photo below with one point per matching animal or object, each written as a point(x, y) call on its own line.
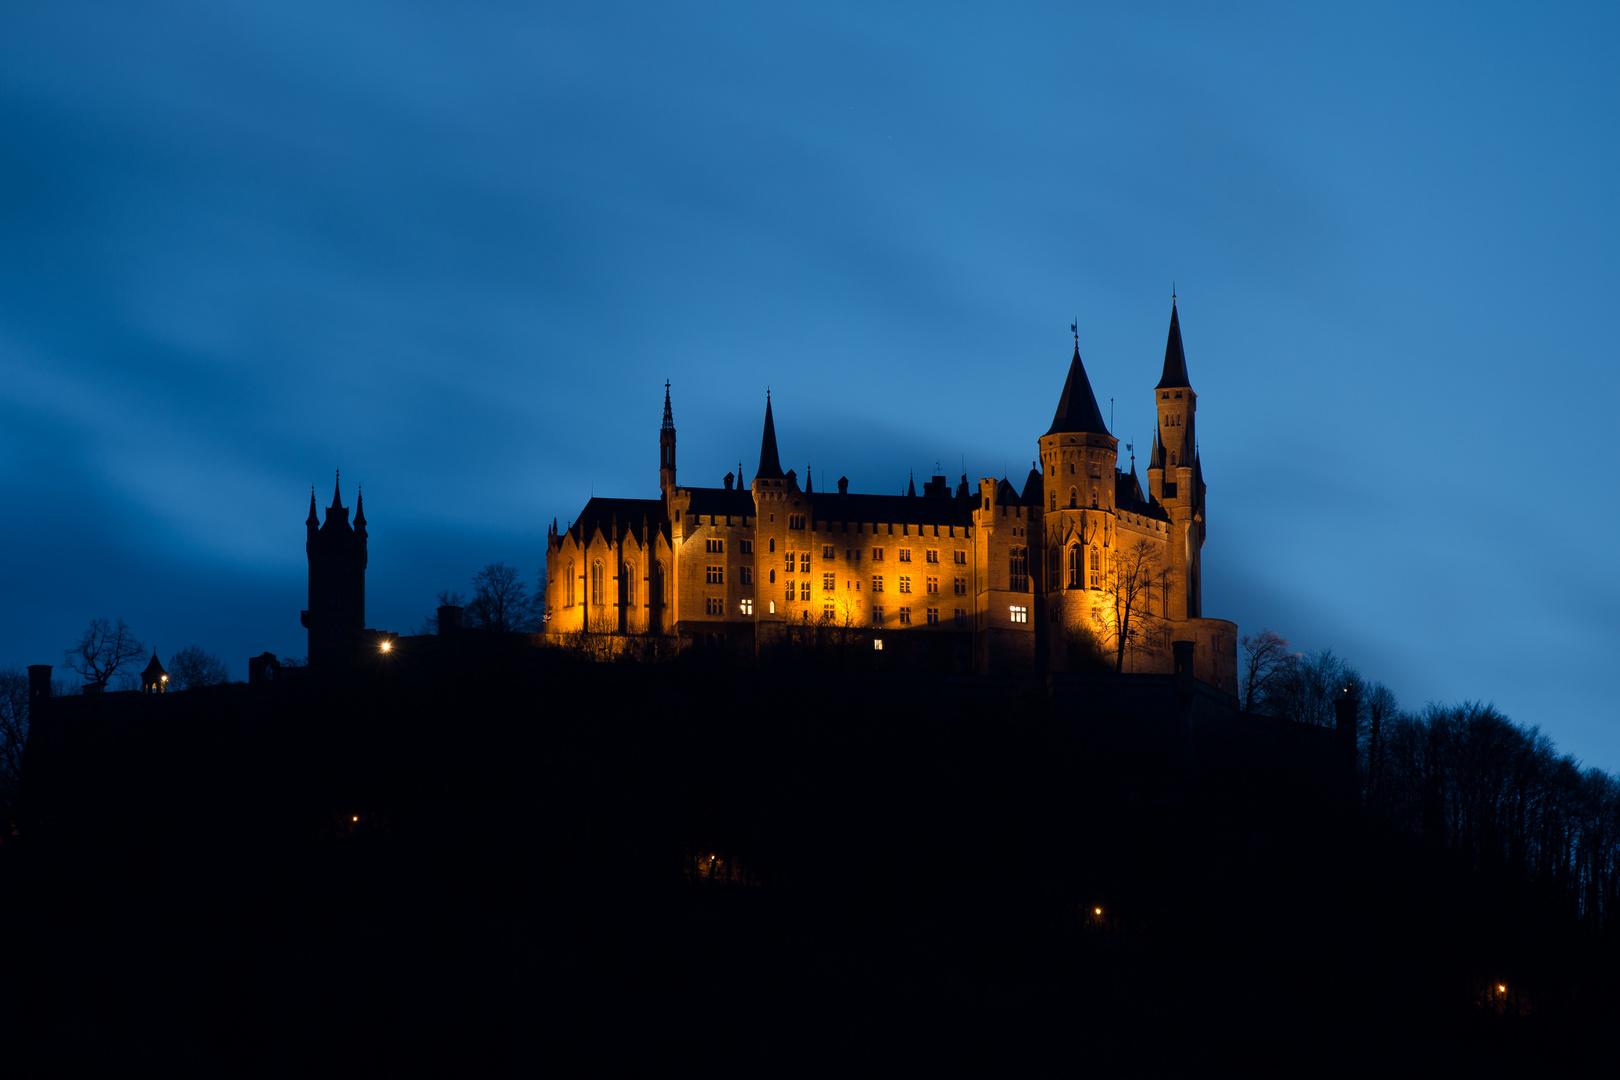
point(853, 555)
point(933, 555)
point(961, 586)
point(877, 582)
point(747, 607)
point(933, 584)
point(877, 616)
point(905, 554)
point(877, 554)
point(828, 613)
point(747, 545)
point(827, 584)
point(905, 583)
point(933, 616)
point(905, 616)
point(714, 547)
point(795, 521)
point(1020, 614)
point(804, 589)
point(961, 558)
point(828, 551)
point(714, 605)
point(745, 575)
point(961, 616)
point(789, 591)
point(716, 575)
point(789, 559)
point(804, 562)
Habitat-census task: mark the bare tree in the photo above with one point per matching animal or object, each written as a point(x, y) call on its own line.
point(191, 667)
point(1381, 708)
point(1127, 583)
point(13, 734)
point(1265, 661)
point(500, 602)
point(104, 651)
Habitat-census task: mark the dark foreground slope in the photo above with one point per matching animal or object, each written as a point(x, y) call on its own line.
point(515, 862)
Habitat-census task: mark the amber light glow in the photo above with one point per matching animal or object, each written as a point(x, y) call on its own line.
point(387, 645)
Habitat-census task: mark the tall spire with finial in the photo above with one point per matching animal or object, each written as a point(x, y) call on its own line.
point(1175, 357)
point(314, 519)
point(666, 447)
point(809, 486)
point(770, 464)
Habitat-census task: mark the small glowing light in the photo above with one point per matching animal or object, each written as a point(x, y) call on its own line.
point(1500, 989)
point(357, 817)
point(877, 643)
point(164, 678)
point(1096, 911)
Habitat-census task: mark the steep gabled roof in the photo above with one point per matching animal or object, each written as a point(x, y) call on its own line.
point(1175, 358)
point(1032, 486)
point(1077, 407)
point(770, 464)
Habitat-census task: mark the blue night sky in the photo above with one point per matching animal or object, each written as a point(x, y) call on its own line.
point(456, 250)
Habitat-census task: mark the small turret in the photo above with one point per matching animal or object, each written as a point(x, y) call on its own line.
point(154, 680)
point(666, 448)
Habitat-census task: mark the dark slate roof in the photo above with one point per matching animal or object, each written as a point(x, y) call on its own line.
point(601, 513)
point(770, 465)
point(720, 501)
point(1175, 360)
point(894, 509)
point(1032, 487)
point(1128, 497)
point(153, 668)
point(1077, 408)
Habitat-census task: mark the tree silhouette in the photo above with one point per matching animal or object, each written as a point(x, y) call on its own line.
point(500, 602)
point(1127, 584)
point(192, 667)
point(104, 651)
point(1266, 660)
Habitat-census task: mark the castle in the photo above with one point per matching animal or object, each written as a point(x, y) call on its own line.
point(1080, 567)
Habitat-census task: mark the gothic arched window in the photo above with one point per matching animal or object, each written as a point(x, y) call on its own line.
point(1054, 500)
point(1074, 566)
point(570, 584)
point(630, 584)
point(1074, 498)
point(596, 582)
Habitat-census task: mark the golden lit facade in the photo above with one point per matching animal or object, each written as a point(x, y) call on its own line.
point(1050, 578)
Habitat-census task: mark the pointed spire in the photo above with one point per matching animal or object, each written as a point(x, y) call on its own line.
point(359, 509)
point(809, 485)
point(1175, 359)
point(911, 486)
point(770, 465)
point(314, 519)
point(337, 500)
point(669, 417)
point(1077, 408)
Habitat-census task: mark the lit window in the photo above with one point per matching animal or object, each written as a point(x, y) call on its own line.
point(1020, 614)
point(747, 607)
point(716, 575)
point(773, 607)
point(905, 583)
point(877, 642)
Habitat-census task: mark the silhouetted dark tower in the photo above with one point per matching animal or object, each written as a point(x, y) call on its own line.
point(337, 581)
point(666, 448)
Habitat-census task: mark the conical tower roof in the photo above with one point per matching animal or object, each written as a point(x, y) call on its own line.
point(1175, 359)
point(1077, 409)
point(770, 465)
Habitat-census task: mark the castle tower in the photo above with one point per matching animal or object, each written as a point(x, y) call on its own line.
point(337, 581)
point(666, 449)
point(1077, 459)
point(777, 502)
point(154, 680)
point(1175, 478)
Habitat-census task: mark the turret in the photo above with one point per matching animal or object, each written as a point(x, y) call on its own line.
point(666, 448)
point(337, 581)
point(1174, 477)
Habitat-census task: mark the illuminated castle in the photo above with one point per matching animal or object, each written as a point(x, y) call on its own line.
point(1056, 577)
